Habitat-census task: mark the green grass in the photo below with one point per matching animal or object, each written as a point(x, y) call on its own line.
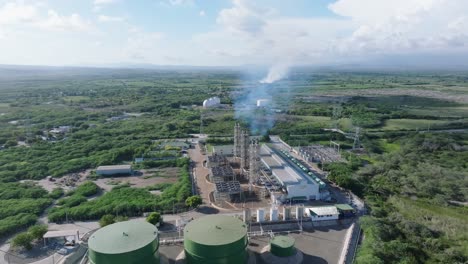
point(411, 124)
point(456, 111)
point(209, 148)
point(76, 98)
point(389, 147)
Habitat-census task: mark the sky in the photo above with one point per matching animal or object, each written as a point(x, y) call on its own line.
point(232, 32)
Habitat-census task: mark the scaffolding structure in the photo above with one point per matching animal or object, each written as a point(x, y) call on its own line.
point(254, 161)
point(322, 154)
point(237, 140)
point(217, 160)
point(222, 174)
point(227, 191)
point(244, 150)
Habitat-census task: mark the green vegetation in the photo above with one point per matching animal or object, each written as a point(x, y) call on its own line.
point(193, 201)
point(25, 239)
point(409, 191)
point(154, 218)
point(56, 193)
point(21, 204)
point(106, 220)
point(409, 179)
point(127, 201)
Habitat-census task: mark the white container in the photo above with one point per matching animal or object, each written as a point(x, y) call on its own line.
point(286, 213)
point(273, 214)
point(246, 216)
point(263, 102)
point(260, 215)
point(299, 212)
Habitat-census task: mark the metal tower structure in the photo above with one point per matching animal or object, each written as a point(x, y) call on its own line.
point(254, 168)
point(244, 150)
point(357, 142)
point(237, 141)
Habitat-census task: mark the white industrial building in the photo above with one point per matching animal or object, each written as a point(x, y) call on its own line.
point(298, 185)
point(263, 102)
point(114, 170)
point(211, 102)
point(322, 213)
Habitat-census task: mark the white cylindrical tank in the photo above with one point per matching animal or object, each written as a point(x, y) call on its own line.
point(263, 102)
point(299, 212)
point(286, 213)
point(260, 215)
point(212, 101)
point(273, 214)
point(246, 216)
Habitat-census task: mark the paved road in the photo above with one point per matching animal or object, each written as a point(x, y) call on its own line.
point(200, 172)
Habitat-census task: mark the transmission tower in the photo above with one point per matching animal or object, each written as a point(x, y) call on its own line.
point(357, 142)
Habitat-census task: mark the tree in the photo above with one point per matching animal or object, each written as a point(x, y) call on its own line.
point(37, 231)
point(193, 201)
point(106, 220)
point(23, 240)
point(154, 218)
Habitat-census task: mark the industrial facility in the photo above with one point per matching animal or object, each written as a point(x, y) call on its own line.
point(266, 170)
point(128, 242)
point(321, 154)
point(215, 239)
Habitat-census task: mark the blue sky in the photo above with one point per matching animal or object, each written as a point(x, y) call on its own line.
point(229, 32)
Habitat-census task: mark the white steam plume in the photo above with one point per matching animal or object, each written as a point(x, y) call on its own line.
point(276, 73)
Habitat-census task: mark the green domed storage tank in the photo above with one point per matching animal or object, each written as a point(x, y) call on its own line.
point(130, 242)
point(282, 246)
point(215, 239)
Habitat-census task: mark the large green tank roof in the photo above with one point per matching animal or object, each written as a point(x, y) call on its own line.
point(123, 237)
point(215, 239)
point(215, 230)
point(282, 246)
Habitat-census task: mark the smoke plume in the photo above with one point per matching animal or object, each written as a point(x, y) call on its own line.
point(276, 73)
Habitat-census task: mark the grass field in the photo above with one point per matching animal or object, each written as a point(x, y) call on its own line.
point(411, 124)
point(76, 98)
point(439, 217)
point(389, 147)
point(457, 111)
point(326, 122)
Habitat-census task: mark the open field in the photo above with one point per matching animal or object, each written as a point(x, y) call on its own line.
point(411, 124)
point(148, 178)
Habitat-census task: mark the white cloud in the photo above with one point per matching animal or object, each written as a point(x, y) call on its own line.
point(104, 18)
point(98, 4)
point(181, 2)
point(142, 45)
point(54, 21)
point(202, 13)
point(104, 2)
point(242, 17)
point(16, 12)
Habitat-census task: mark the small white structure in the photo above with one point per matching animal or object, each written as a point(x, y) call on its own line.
point(246, 216)
point(114, 169)
point(260, 215)
point(263, 102)
point(64, 233)
point(273, 214)
point(211, 102)
point(322, 213)
point(286, 213)
point(299, 212)
point(60, 130)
